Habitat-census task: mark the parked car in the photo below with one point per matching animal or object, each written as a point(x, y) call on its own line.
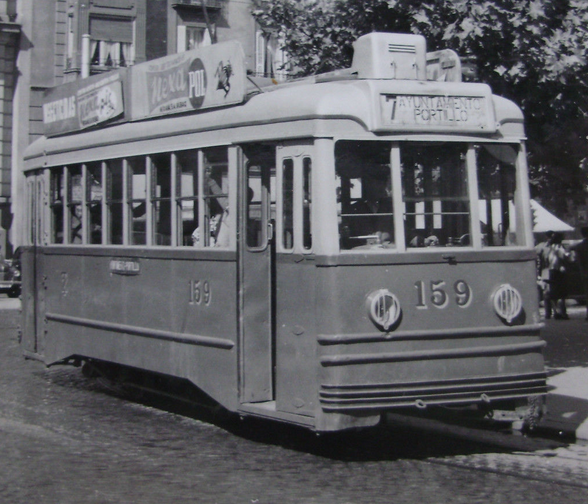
point(10, 281)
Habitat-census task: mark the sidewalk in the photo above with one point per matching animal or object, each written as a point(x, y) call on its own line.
point(9, 312)
point(566, 358)
point(567, 403)
point(567, 397)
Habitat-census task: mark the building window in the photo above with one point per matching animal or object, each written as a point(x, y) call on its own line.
point(193, 37)
point(270, 60)
point(111, 42)
point(111, 54)
point(69, 58)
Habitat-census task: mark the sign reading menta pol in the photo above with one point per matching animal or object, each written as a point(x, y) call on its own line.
point(80, 104)
point(213, 76)
point(440, 112)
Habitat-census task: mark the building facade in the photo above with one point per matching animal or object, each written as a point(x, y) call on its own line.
point(50, 42)
point(9, 39)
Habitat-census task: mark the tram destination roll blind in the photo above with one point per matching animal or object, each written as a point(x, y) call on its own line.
point(435, 108)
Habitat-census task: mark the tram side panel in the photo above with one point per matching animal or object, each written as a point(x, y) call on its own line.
point(439, 352)
point(32, 298)
point(160, 312)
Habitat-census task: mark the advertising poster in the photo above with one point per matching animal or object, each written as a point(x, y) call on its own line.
point(193, 80)
point(80, 104)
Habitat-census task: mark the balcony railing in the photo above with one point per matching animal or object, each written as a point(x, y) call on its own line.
point(197, 4)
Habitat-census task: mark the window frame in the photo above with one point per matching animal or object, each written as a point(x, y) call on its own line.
point(142, 230)
point(522, 222)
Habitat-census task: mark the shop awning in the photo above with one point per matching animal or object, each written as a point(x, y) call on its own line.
point(544, 220)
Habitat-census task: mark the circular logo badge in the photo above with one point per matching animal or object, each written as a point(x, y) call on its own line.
point(384, 309)
point(508, 303)
point(196, 83)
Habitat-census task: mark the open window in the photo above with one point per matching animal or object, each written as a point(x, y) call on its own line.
point(137, 200)
point(364, 195)
point(56, 202)
point(161, 196)
point(435, 194)
point(75, 202)
point(94, 195)
point(496, 164)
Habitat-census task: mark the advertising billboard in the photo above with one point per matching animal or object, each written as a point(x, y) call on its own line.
point(210, 77)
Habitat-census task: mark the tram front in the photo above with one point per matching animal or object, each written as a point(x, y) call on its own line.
point(434, 288)
point(430, 303)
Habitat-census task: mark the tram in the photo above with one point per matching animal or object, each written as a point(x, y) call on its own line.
point(320, 252)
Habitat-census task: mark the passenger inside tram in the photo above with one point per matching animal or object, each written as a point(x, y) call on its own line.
point(364, 196)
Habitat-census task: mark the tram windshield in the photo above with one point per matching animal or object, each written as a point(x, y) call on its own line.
point(435, 204)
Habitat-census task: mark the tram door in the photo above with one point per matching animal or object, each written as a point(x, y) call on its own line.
point(257, 273)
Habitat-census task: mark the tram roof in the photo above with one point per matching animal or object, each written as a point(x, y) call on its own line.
point(289, 110)
point(363, 101)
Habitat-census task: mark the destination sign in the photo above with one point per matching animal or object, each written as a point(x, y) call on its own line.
point(435, 112)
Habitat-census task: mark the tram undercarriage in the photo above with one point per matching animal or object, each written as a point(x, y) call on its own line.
point(172, 393)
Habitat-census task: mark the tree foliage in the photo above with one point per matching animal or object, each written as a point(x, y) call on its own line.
point(531, 51)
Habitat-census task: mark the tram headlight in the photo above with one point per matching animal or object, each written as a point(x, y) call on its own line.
point(384, 309)
point(508, 303)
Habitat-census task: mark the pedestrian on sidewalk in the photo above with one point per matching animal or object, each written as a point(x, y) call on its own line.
point(543, 283)
point(558, 259)
point(581, 255)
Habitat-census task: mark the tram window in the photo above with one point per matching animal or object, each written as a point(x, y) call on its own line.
point(255, 209)
point(56, 203)
point(161, 198)
point(114, 201)
point(32, 209)
point(496, 189)
point(364, 195)
point(138, 200)
point(217, 220)
point(260, 198)
point(75, 202)
point(307, 203)
point(287, 203)
point(93, 201)
point(435, 194)
point(187, 195)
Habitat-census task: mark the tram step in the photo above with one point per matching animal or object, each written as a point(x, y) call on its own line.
point(267, 409)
